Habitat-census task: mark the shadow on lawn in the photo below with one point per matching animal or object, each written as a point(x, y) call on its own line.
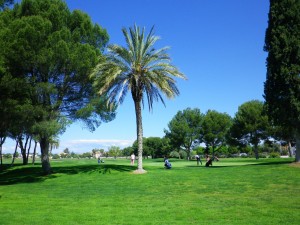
point(32, 174)
point(254, 163)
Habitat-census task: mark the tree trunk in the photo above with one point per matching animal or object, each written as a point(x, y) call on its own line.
point(23, 150)
point(139, 129)
point(290, 149)
point(256, 151)
point(2, 140)
point(14, 155)
point(297, 157)
point(34, 152)
point(44, 144)
point(28, 149)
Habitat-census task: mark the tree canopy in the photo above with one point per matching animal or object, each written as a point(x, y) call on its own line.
point(215, 128)
point(184, 130)
point(250, 124)
point(282, 86)
point(53, 50)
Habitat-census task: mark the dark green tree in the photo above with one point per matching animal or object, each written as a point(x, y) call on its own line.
point(53, 50)
point(184, 130)
point(140, 69)
point(153, 146)
point(215, 128)
point(250, 124)
point(127, 151)
point(282, 86)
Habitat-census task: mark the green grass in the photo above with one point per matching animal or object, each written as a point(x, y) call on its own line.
point(233, 191)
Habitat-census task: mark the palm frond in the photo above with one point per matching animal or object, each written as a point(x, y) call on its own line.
point(138, 68)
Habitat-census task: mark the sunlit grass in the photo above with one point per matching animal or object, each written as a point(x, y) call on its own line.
point(233, 191)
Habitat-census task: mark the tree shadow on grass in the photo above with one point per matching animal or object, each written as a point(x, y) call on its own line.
point(21, 174)
point(102, 168)
point(33, 174)
point(256, 163)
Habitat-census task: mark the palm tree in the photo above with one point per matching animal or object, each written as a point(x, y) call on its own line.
point(139, 68)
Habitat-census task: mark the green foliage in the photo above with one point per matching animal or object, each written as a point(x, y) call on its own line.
point(282, 42)
point(127, 151)
point(55, 156)
point(250, 124)
point(114, 151)
point(199, 150)
point(184, 130)
point(215, 128)
point(282, 86)
point(7, 156)
point(274, 155)
point(50, 51)
point(86, 155)
point(174, 154)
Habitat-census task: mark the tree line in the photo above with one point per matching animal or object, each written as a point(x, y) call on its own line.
point(191, 132)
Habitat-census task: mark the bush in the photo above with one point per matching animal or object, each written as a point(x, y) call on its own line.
point(7, 156)
point(274, 155)
point(174, 154)
point(263, 155)
point(182, 154)
point(55, 156)
point(284, 152)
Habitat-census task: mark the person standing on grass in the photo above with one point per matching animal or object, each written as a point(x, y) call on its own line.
point(132, 158)
point(198, 159)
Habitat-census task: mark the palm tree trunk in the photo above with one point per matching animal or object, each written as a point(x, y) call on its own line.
point(139, 129)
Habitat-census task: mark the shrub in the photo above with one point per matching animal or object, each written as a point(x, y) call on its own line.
point(182, 154)
point(55, 156)
point(174, 154)
point(7, 156)
point(274, 155)
point(284, 152)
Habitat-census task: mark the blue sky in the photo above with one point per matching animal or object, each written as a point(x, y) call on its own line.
point(217, 44)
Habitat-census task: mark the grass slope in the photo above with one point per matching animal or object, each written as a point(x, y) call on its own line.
point(233, 191)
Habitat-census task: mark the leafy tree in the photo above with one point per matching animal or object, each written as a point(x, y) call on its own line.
point(66, 151)
point(142, 70)
point(282, 86)
point(185, 129)
point(55, 156)
point(86, 155)
point(114, 151)
point(153, 146)
point(250, 124)
point(215, 128)
point(73, 155)
point(53, 50)
point(127, 151)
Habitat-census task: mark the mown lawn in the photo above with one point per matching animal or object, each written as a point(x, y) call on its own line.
point(233, 191)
